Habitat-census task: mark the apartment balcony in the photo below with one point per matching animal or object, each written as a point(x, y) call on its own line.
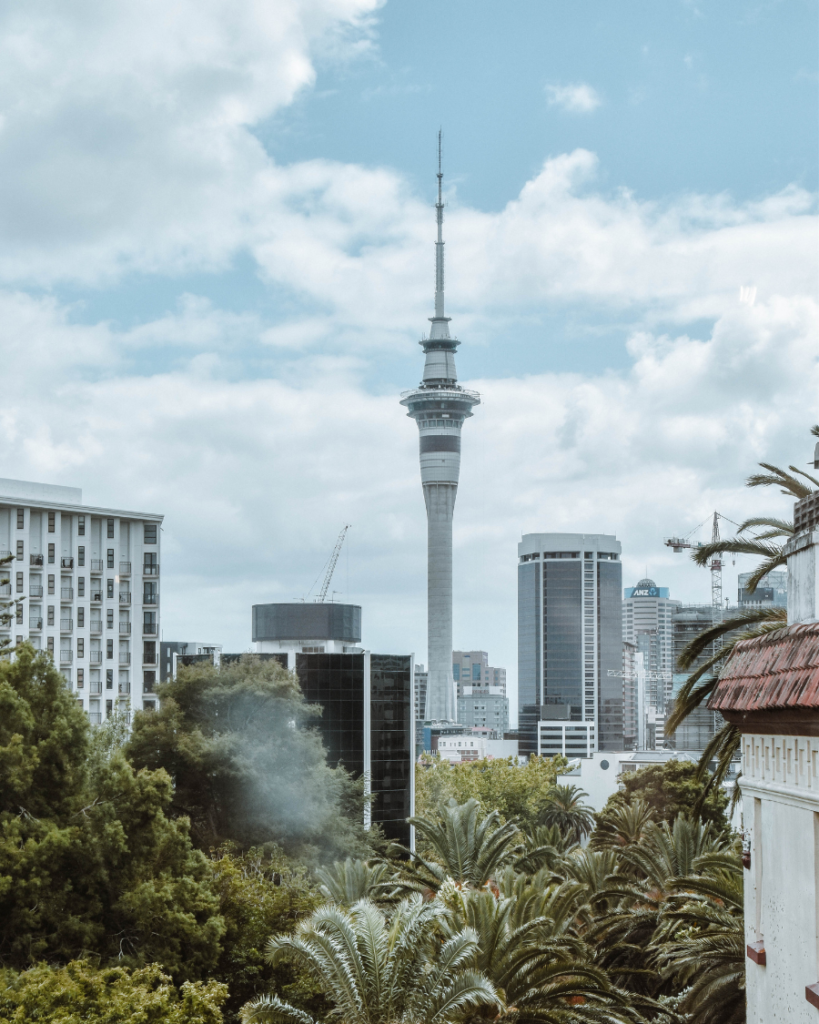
point(125, 629)
point(95, 688)
point(124, 598)
point(124, 658)
point(96, 566)
point(66, 657)
point(66, 625)
point(149, 628)
point(96, 596)
point(35, 590)
point(124, 714)
point(35, 623)
point(124, 689)
point(5, 553)
point(148, 662)
point(96, 625)
point(67, 562)
point(66, 593)
point(33, 559)
point(125, 568)
point(94, 717)
point(150, 570)
point(5, 589)
point(150, 599)
point(95, 657)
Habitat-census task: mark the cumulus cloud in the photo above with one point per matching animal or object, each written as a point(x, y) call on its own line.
point(580, 98)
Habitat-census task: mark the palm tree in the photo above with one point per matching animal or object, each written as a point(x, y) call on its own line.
point(348, 881)
point(707, 951)
point(379, 970)
point(465, 847)
point(545, 846)
point(621, 825)
point(565, 810)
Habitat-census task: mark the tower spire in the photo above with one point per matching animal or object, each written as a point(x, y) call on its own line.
point(439, 245)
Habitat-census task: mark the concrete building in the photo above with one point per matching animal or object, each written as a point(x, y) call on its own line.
point(631, 714)
point(647, 622)
point(484, 707)
point(420, 692)
point(770, 691)
point(475, 747)
point(439, 406)
point(367, 723)
point(772, 591)
point(87, 583)
point(472, 668)
point(570, 646)
point(699, 728)
point(173, 653)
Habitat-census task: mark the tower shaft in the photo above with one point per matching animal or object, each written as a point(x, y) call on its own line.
point(440, 503)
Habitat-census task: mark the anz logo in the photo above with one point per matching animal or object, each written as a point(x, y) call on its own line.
point(646, 592)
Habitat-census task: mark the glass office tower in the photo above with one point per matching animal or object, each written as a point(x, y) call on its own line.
point(570, 649)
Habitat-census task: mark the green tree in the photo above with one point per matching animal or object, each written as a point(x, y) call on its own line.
point(376, 969)
point(564, 809)
point(80, 993)
point(261, 892)
point(515, 791)
point(247, 767)
point(666, 791)
point(89, 862)
point(348, 881)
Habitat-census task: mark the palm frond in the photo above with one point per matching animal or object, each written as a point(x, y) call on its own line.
point(783, 526)
point(696, 646)
point(776, 477)
point(735, 545)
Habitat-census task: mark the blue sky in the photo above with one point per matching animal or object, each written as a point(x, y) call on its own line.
point(217, 261)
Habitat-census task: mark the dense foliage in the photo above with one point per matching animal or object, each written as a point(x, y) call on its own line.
point(245, 766)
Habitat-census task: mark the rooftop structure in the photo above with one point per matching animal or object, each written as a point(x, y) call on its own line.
point(439, 406)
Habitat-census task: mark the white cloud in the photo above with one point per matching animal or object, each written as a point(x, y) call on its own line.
point(579, 98)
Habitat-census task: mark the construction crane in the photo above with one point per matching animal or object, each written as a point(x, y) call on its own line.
point(331, 565)
point(715, 565)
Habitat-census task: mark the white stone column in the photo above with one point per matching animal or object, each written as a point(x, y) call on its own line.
point(440, 502)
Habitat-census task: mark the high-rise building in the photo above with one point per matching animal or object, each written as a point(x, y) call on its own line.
point(484, 708)
point(173, 653)
point(631, 710)
point(570, 647)
point(87, 583)
point(419, 693)
point(702, 724)
point(367, 723)
point(439, 406)
point(647, 623)
point(772, 591)
point(472, 668)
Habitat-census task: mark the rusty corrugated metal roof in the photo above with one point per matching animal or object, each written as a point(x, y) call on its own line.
point(777, 671)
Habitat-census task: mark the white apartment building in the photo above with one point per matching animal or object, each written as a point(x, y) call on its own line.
point(648, 623)
point(86, 585)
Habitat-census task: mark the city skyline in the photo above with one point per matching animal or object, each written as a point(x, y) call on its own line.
point(209, 305)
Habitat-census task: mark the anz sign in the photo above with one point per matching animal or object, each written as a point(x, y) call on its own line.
point(646, 592)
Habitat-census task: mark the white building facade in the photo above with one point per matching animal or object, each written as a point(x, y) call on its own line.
point(86, 585)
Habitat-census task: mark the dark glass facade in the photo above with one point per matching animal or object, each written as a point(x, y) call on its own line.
point(313, 621)
point(563, 636)
point(529, 630)
point(337, 682)
point(610, 722)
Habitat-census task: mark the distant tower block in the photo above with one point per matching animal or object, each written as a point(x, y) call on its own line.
point(439, 406)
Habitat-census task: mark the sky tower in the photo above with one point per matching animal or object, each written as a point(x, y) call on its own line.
point(439, 406)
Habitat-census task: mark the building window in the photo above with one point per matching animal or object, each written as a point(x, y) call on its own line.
point(51, 583)
point(50, 615)
point(110, 532)
point(81, 555)
point(149, 622)
point(21, 518)
point(150, 564)
point(149, 592)
point(20, 550)
point(51, 554)
point(80, 526)
point(110, 588)
point(109, 679)
point(19, 610)
point(109, 616)
point(80, 646)
point(80, 618)
point(148, 682)
point(150, 533)
point(51, 517)
point(456, 673)
point(50, 640)
point(81, 586)
point(80, 677)
point(110, 558)
point(476, 672)
point(109, 650)
point(109, 707)
point(149, 652)
point(19, 583)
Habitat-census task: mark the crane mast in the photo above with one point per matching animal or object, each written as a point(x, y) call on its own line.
point(331, 565)
point(715, 565)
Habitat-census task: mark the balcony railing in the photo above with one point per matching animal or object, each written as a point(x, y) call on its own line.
point(35, 590)
point(124, 597)
point(148, 659)
point(66, 625)
point(124, 658)
point(150, 598)
point(96, 625)
point(96, 565)
point(66, 657)
point(94, 717)
point(125, 568)
point(125, 628)
point(66, 593)
point(5, 553)
point(95, 687)
point(150, 570)
point(95, 657)
point(34, 559)
point(124, 688)
point(5, 589)
point(96, 595)
point(66, 562)
point(149, 628)
point(35, 623)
